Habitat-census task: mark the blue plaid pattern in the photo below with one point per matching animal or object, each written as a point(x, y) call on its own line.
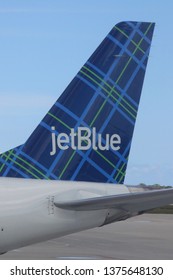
point(105, 95)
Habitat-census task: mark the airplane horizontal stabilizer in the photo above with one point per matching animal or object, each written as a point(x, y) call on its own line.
point(130, 202)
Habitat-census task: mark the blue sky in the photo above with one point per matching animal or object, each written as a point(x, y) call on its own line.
point(43, 45)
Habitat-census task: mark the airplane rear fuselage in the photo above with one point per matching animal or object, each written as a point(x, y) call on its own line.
point(28, 214)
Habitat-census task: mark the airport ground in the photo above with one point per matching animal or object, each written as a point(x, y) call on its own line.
point(149, 236)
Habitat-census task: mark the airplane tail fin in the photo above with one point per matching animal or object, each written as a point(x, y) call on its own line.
point(87, 134)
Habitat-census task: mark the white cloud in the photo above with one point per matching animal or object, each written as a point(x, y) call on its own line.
point(20, 114)
point(149, 174)
point(26, 101)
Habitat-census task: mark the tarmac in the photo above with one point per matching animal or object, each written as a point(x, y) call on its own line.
point(149, 236)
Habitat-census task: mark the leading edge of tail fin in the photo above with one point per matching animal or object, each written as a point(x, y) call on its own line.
point(87, 134)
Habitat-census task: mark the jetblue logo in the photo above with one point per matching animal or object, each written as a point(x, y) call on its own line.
point(84, 139)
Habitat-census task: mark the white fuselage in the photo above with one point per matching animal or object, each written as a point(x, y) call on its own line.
point(28, 214)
